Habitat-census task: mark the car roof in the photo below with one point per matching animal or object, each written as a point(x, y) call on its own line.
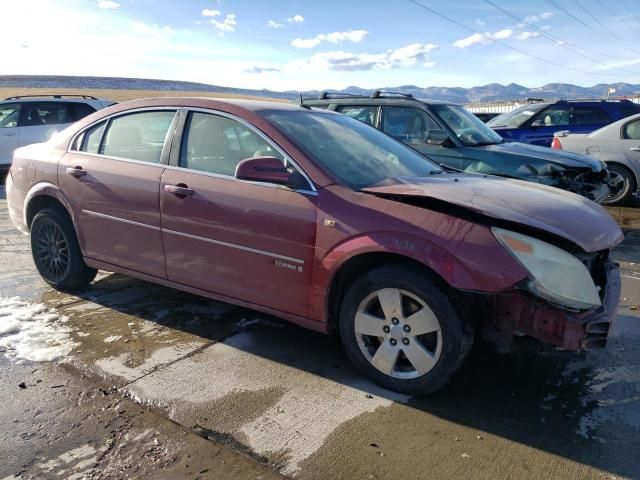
point(210, 103)
point(357, 100)
point(50, 98)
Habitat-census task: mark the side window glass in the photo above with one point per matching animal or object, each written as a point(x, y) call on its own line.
point(216, 144)
point(138, 136)
point(553, 116)
point(91, 139)
point(81, 110)
point(407, 123)
point(366, 114)
point(632, 130)
point(589, 116)
point(47, 113)
point(9, 114)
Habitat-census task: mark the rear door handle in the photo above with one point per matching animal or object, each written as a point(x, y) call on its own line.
point(181, 190)
point(635, 149)
point(76, 172)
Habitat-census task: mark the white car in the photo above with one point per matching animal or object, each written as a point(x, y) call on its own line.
point(617, 144)
point(32, 119)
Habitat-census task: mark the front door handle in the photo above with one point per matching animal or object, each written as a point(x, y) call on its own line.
point(635, 149)
point(76, 172)
point(9, 134)
point(181, 190)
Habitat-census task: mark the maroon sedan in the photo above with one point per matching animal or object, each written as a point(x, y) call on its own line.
point(324, 221)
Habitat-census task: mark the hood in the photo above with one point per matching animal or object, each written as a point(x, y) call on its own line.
point(566, 159)
point(549, 209)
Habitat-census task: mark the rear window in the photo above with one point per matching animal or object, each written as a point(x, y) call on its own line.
point(628, 110)
point(137, 136)
point(589, 116)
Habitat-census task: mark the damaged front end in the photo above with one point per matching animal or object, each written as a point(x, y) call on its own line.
point(521, 313)
point(594, 185)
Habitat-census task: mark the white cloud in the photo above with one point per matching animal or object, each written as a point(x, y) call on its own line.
point(537, 18)
point(354, 36)
point(489, 37)
point(108, 5)
point(258, 69)
point(296, 19)
point(347, 62)
point(227, 25)
point(526, 35)
point(480, 22)
point(274, 24)
point(210, 13)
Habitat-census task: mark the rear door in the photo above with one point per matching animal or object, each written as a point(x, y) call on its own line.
point(631, 141)
point(586, 119)
point(246, 240)
point(409, 125)
point(112, 179)
point(9, 130)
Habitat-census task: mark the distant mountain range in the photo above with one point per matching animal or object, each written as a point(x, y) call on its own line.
point(493, 92)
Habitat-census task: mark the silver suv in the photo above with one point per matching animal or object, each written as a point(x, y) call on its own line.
point(33, 119)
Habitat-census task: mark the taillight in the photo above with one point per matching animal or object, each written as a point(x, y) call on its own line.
point(556, 143)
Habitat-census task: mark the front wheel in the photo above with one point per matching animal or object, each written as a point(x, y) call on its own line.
point(56, 252)
point(624, 196)
point(401, 330)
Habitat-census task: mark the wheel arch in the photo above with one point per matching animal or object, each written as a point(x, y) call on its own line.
point(359, 265)
point(41, 196)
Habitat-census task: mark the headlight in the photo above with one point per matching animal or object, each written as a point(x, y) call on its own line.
point(557, 275)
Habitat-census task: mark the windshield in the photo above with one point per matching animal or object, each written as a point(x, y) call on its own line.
point(469, 129)
point(515, 118)
point(356, 154)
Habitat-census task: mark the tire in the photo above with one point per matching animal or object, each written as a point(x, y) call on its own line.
point(625, 196)
point(422, 300)
point(56, 252)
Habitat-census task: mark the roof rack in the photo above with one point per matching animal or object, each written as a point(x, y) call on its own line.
point(381, 93)
point(54, 95)
point(325, 95)
point(595, 100)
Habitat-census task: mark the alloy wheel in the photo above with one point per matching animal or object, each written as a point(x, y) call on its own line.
point(398, 333)
point(52, 249)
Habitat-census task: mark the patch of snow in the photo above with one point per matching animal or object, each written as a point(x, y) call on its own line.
point(112, 338)
point(33, 332)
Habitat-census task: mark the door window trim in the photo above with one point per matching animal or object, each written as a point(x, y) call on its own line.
point(166, 148)
point(176, 145)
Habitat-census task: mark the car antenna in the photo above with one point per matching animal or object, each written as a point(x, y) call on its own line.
point(301, 102)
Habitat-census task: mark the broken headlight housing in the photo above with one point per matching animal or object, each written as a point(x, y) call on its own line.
point(556, 275)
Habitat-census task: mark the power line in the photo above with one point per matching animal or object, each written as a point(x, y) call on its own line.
point(580, 21)
point(506, 44)
point(625, 19)
point(557, 41)
point(602, 25)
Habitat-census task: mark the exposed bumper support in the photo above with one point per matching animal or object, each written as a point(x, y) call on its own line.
point(514, 313)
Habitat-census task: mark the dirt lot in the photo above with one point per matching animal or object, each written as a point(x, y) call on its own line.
point(120, 95)
point(160, 384)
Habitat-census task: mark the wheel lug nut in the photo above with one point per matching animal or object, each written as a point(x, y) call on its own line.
point(393, 341)
point(406, 328)
point(395, 321)
point(405, 341)
point(386, 329)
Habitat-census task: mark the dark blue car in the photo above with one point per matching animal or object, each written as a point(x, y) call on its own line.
point(537, 122)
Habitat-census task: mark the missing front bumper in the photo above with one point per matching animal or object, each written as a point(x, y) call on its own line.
point(517, 313)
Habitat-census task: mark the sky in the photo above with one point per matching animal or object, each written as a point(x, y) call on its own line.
point(301, 45)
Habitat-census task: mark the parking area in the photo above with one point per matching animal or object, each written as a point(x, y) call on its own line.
point(152, 379)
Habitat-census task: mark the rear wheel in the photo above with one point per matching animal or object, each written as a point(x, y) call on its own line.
point(56, 252)
point(624, 196)
point(400, 329)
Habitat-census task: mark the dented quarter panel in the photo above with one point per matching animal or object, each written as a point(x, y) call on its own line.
point(463, 253)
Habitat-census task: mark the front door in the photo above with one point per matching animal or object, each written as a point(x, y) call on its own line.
point(112, 179)
point(631, 141)
point(9, 116)
point(250, 241)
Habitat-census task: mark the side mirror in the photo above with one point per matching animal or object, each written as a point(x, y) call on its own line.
point(435, 137)
point(538, 123)
point(267, 169)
